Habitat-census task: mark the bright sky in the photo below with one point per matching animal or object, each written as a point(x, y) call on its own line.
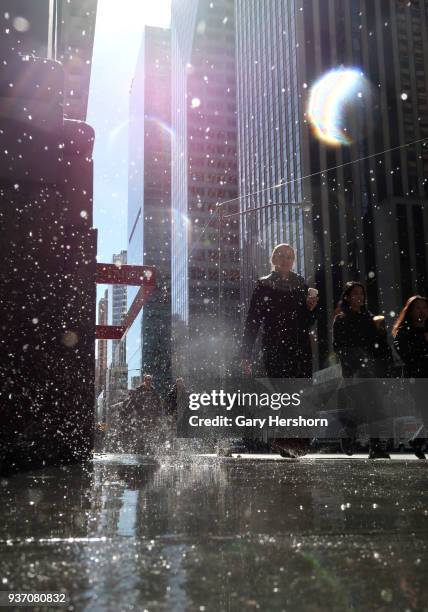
point(117, 41)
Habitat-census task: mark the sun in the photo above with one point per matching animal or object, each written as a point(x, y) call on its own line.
point(130, 16)
point(157, 13)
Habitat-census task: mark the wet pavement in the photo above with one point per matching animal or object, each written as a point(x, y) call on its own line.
point(200, 533)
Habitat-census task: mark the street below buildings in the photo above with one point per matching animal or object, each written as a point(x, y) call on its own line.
point(198, 532)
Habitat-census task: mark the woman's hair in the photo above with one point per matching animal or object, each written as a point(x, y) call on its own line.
point(343, 304)
point(279, 246)
point(404, 318)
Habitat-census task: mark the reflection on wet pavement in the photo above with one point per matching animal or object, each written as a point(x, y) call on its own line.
point(201, 534)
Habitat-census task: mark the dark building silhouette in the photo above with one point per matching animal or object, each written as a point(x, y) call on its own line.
point(48, 252)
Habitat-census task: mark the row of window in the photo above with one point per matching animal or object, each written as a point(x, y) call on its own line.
point(212, 148)
point(212, 274)
point(212, 193)
point(215, 178)
point(219, 134)
point(224, 164)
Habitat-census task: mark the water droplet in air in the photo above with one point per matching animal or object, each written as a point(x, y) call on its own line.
point(21, 24)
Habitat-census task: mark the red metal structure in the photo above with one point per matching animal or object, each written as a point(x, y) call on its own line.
point(111, 274)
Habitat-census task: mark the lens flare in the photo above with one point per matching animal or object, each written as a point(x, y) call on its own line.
point(329, 97)
point(164, 127)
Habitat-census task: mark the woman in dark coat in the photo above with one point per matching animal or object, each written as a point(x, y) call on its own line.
point(410, 334)
point(359, 343)
point(176, 401)
point(411, 337)
point(280, 304)
point(363, 351)
point(144, 408)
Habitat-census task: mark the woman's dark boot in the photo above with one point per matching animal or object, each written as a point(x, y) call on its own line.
point(376, 451)
point(417, 445)
point(347, 446)
point(281, 446)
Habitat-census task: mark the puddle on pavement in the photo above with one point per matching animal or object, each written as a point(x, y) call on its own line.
point(190, 533)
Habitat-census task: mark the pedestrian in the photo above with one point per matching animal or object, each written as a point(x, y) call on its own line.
point(128, 423)
point(360, 343)
point(176, 401)
point(177, 397)
point(145, 407)
point(285, 309)
point(410, 333)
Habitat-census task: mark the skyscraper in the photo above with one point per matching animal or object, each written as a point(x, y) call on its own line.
point(270, 138)
point(119, 309)
point(73, 44)
point(117, 375)
point(368, 199)
point(204, 174)
point(57, 29)
point(101, 361)
point(149, 216)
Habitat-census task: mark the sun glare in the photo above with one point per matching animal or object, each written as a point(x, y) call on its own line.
point(157, 13)
point(134, 14)
point(328, 99)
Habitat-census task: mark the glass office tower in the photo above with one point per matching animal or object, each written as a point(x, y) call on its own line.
point(369, 200)
point(205, 270)
point(149, 215)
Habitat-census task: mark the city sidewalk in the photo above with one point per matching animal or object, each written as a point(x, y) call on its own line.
point(203, 533)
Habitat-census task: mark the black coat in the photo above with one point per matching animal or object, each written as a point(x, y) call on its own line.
point(362, 349)
point(412, 347)
point(145, 403)
point(175, 399)
point(279, 307)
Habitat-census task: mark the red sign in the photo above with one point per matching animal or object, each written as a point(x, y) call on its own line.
point(109, 332)
point(139, 301)
point(111, 274)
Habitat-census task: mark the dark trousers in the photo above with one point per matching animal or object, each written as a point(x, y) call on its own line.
point(280, 363)
point(287, 363)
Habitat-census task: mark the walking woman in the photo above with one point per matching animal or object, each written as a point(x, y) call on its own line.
point(410, 334)
point(285, 309)
point(359, 340)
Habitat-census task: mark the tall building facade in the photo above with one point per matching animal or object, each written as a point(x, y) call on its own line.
point(102, 347)
point(270, 138)
point(368, 200)
point(205, 270)
point(57, 29)
point(118, 301)
point(149, 215)
point(117, 374)
point(73, 40)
